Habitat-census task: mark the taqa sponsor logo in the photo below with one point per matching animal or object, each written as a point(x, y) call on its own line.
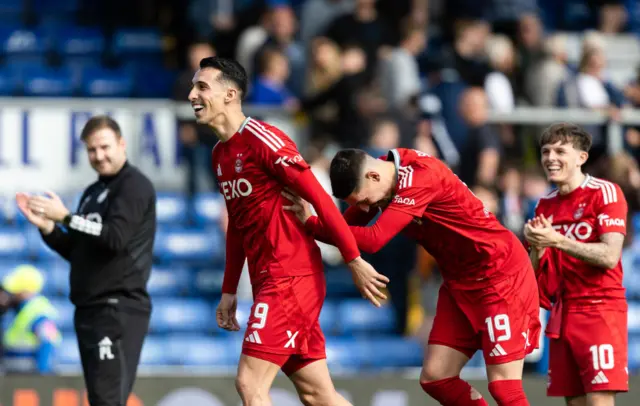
point(233, 189)
point(286, 161)
point(404, 200)
point(575, 231)
point(607, 221)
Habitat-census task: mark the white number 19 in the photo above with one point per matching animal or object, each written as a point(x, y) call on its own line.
point(498, 323)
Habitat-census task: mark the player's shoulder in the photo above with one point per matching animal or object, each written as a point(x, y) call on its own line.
point(414, 167)
point(606, 191)
point(263, 135)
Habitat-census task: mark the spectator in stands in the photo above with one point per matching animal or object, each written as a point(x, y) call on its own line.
point(612, 15)
point(400, 76)
point(632, 135)
point(489, 198)
point(497, 85)
point(545, 77)
point(282, 32)
point(468, 50)
point(196, 141)
point(31, 339)
point(366, 28)
point(507, 16)
point(530, 47)
point(350, 127)
point(511, 200)
point(269, 88)
point(250, 41)
point(480, 158)
point(623, 170)
point(318, 14)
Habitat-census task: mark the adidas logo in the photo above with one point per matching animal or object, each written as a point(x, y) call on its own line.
point(497, 351)
point(253, 338)
point(600, 378)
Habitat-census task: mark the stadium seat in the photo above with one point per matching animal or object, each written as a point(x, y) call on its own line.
point(66, 311)
point(79, 42)
point(340, 283)
point(208, 208)
point(8, 82)
point(154, 351)
point(634, 317)
point(197, 246)
point(11, 11)
point(169, 282)
point(208, 282)
point(99, 82)
point(13, 243)
point(398, 352)
point(171, 208)
point(152, 80)
point(38, 248)
point(138, 44)
point(200, 350)
point(181, 315)
point(68, 352)
point(21, 43)
point(359, 316)
point(345, 353)
point(329, 318)
point(48, 82)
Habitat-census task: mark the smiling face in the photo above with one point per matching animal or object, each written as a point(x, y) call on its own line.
point(209, 96)
point(106, 151)
point(562, 161)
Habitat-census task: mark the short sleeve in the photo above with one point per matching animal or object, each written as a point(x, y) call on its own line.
point(612, 213)
point(416, 190)
point(278, 153)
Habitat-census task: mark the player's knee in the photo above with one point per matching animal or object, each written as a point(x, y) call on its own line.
point(432, 372)
point(251, 393)
point(317, 397)
point(508, 392)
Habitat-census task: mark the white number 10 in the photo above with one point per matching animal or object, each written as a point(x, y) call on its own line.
point(260, 313)
point(602, 356)
point(498, 323)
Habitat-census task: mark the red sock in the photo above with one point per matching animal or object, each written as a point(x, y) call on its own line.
point(508, 392)
point(453, 392)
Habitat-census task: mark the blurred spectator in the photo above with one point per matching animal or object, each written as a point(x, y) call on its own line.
point(400, 76)
point(318, 14)
point(632, 94)
point(545, 77)
point(535, 186)
point(281, 35)
point(325, 67)
point(488, 197)
point(365, 28)
point(350, 127)
point(250, 41)
point(31, 339)
point(481, 157)
point(612, 15)
point(196, 141)
point(507, 15)
point(623, 170)
point(385, 136)
point(467, 54)
point(497, 84)
point(269, 87)
point(512, 203)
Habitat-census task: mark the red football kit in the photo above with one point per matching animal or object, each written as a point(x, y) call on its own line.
point(588, 324)
point(285, 265)
point(489, 298)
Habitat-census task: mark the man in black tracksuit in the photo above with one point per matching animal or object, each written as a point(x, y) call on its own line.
point(108, 242)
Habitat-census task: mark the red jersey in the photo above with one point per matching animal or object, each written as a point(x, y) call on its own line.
point(434, 207)
point(593, 209)
point(253, 167)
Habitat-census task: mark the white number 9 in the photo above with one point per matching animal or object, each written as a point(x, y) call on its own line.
point(260, 313)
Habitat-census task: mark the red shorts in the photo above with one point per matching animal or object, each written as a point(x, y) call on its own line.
point(590, 355)
point(502, 320)
point(283, 326)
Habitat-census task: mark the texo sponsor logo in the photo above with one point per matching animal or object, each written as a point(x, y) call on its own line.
point(233, 189)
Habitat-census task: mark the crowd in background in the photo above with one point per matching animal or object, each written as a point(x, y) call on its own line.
point(423, 74)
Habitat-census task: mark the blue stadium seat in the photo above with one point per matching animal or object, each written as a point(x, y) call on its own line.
point(99, 82)
point(634, 317)
point(200, 350)
point(340, 283)
point(11, 11)
point(199, 246)
point(141, 44)
point(152, 80)
point(68, 353)
point(345, 353)
point(208, 282)
point(154, 351)
point(17, 41)
point(57, 284)
point(66, 311)
point(169, 282)
point(393, 352)
point(329, 318)
point(38, 248)
point(13, 243)
point(48, 82)
point(208, 208)
point(171, 208)
point(360, 316)
point(181, 315)
point(81, 42)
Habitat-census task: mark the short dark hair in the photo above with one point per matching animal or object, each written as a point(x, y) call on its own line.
point(96, 123)
point(230, 71)
point(566, 133)
point(346, 171)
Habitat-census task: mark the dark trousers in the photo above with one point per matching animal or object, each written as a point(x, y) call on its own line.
point(110, 340)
